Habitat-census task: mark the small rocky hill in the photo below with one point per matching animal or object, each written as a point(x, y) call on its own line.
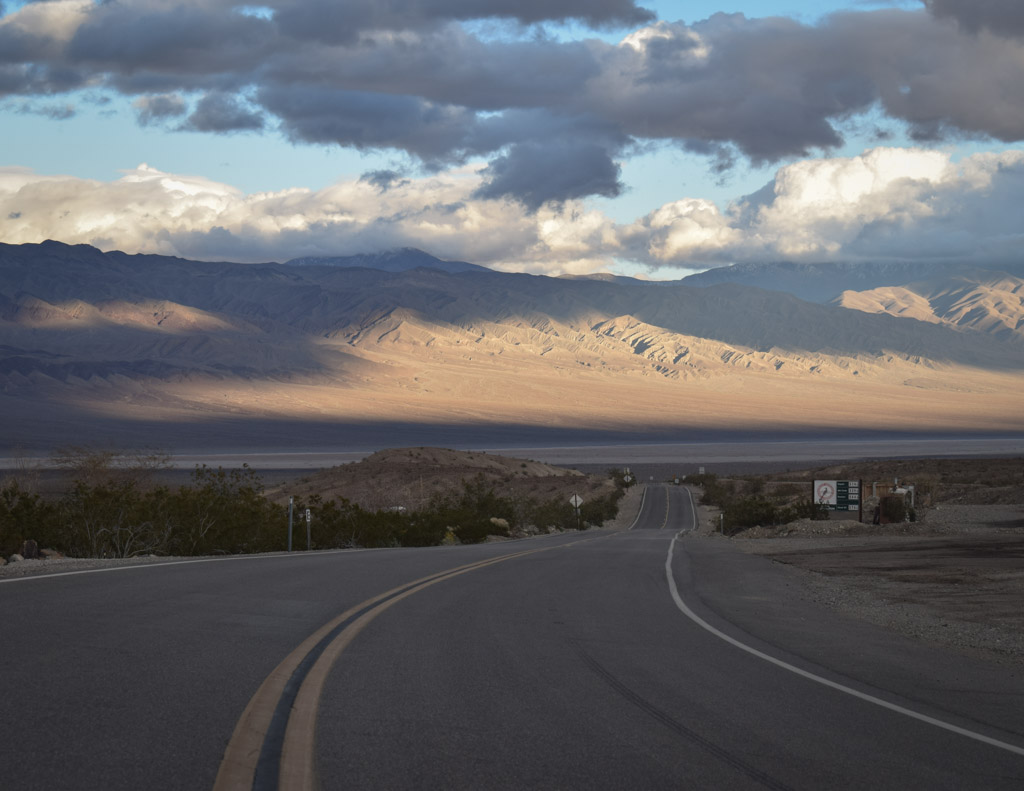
point(409, 477)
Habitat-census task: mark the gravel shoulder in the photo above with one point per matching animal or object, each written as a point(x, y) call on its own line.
point(33, 567)
point(953, 579)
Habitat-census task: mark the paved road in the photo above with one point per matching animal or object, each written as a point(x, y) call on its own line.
point(597, 660)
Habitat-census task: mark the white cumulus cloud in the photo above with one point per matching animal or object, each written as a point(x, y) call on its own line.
point(894, 203)
point(147, 210)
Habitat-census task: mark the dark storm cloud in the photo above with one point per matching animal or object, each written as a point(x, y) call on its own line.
point(1002, 17)
point(178, 39)
point(775, 88)
point(154, 109)
point(39, 80)
point(369, 120)
point(406, 75)
point(535, 173)
point(218, 112)
point(447, 66)
point(18, 45)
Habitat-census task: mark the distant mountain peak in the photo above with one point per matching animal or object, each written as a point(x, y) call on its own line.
point(398, 260)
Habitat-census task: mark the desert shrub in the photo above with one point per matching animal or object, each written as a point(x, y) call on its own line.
point(113, 519)
point(475, 513)
point(224, 511)
point(601, 509)
point(803, 509)
point(754, 487)
point(335, 523)
point(22, 515)
point(892, 507)
point(555, 513)
point(122, 516)
point(715, 492)
point(748, 512)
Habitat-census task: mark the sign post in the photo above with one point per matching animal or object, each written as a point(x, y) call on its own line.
point(309, 518)
point(576, 502)
point(291, 507)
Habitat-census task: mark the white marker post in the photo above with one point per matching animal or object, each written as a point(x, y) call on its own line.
point(309, 518)
point(291, 505)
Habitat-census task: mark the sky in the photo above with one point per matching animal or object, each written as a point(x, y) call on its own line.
point(543, 136)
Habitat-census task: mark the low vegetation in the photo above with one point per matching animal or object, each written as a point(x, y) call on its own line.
point(752, 501)
point(114, 508)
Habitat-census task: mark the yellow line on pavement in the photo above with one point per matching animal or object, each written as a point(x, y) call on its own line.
point(238, 767)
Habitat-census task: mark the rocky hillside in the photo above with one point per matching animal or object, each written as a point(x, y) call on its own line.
point(981, 301)
point(100, 342)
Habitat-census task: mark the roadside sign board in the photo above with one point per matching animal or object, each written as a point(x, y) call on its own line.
point(576, 501)
point(838, 495)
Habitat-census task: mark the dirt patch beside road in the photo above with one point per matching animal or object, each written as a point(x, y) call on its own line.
point(956, 579)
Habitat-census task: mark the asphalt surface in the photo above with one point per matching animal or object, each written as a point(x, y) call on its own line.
point(571, 667)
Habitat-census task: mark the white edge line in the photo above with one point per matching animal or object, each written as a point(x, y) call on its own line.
point(640, 510)
point(812, 677)
point(128, 566)
point(258, 556)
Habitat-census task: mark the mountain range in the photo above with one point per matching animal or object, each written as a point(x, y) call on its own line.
point(399, 348)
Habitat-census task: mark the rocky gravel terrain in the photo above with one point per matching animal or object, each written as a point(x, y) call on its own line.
point(36, 566)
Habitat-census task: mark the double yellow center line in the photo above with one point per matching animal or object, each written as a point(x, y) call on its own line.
point(272, 747)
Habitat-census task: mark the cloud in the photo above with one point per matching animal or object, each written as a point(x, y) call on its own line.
point(332, 22)
point(148, 210)
point(887, 203)
point(55, 112)
point(155, 109)
point(1002, 17)
point(687, 231)
point(219, 112)
point(384, 179)
point(364, 120)
point(417, 76)
point(536, 173)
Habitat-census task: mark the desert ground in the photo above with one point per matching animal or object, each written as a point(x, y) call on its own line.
point(954, 577)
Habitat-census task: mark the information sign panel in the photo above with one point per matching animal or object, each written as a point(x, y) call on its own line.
point(838, 495)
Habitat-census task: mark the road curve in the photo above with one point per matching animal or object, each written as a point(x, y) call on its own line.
point(596, 660)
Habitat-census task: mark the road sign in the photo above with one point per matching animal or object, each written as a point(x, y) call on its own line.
point(576, 501)
point(309, 515)
point(838, 495)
